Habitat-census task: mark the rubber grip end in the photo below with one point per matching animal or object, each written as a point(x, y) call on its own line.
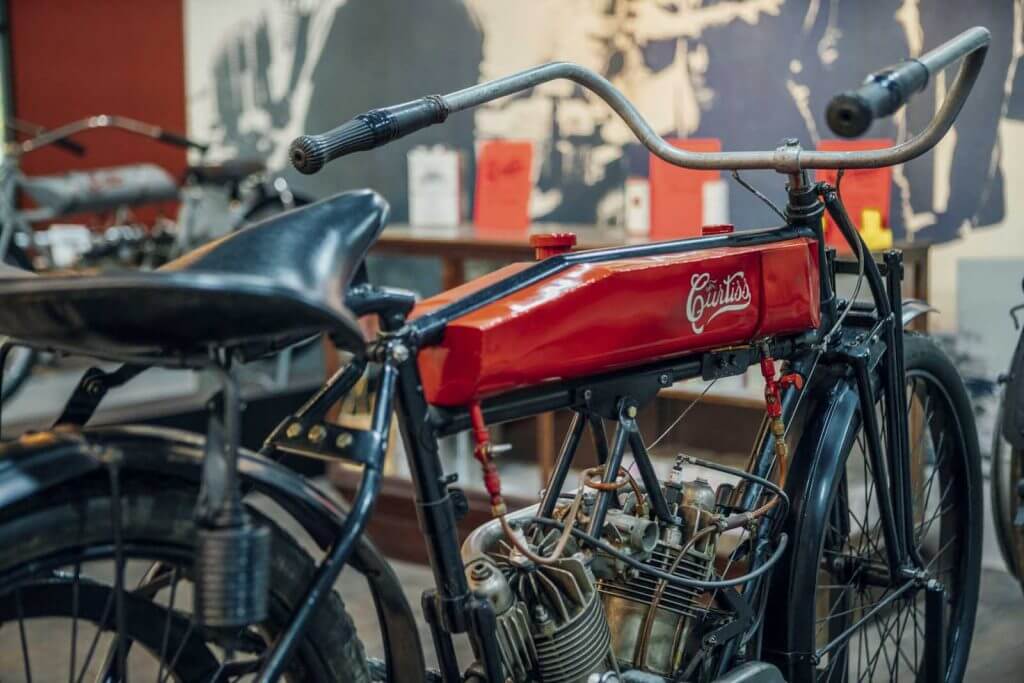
point(849, 115)
point(307, 154)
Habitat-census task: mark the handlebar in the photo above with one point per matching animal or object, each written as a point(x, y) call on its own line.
point(309, 153)
point(885, 91)
point(58, 136)
point(20, 126)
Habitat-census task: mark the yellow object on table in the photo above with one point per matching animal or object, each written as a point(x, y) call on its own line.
point(877, 237)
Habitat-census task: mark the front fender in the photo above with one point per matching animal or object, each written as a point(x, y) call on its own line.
point(38, 462)
point(817, 466)
point(914, 309)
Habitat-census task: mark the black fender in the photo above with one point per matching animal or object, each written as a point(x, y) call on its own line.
point(915, 308)
point(38, 462)
point(828, 428)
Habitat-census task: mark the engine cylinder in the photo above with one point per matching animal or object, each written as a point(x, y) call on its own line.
point(550, 618)
point(576, 649)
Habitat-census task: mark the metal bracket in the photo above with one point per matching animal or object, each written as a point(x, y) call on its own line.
point(91, 389)
point(604, 398)
point(727, 362)
point(306, 432)
point(325, 440)
point(736, 626)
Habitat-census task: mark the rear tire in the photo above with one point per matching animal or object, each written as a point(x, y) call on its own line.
point(53, 536)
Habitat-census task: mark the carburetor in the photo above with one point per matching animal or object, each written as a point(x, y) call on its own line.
point(651, 622)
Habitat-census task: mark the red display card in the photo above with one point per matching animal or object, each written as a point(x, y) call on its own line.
point(503, 186)
point(862, 188)
point(677, 206)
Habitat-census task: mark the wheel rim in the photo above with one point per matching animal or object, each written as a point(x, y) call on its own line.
point(852, 567)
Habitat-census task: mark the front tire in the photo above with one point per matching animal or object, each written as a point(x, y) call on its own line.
point(845, 553)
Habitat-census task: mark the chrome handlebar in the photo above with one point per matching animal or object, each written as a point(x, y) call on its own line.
point(309, 153)
point(56, 135)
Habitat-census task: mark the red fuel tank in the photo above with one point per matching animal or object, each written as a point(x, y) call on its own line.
point(595, 317)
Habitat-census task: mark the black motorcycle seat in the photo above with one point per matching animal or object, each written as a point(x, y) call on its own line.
point(255, 291)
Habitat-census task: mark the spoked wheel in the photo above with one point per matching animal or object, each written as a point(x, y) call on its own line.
point(63, 617)
point(854, 589)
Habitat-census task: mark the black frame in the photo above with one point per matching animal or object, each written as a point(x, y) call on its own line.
point(869, 348)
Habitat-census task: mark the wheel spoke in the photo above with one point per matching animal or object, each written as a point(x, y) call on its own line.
point(167, 623)
point(115, 524)
point(940, 552)
point(74, 621)
point(903, 655)
point(96, 637)
point(882, 646)
point(181, 648)
point(21, 635)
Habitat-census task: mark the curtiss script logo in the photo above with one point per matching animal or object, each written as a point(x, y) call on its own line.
point(710, 298)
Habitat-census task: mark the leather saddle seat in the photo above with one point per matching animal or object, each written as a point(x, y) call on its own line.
point(256, 290)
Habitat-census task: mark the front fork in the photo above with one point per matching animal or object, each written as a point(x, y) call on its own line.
point(898, 523)
point(898, 519)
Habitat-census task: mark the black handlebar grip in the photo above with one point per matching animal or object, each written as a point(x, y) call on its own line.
point(851, 113)
point(68, 145)
point(309, 153)
point(180, 140)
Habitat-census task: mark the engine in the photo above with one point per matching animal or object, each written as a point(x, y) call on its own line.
point(589, 611)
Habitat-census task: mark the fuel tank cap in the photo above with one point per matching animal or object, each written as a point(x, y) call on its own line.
point(717, 229)
point(552, 243)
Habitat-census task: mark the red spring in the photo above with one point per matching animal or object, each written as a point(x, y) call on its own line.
point(482, 452)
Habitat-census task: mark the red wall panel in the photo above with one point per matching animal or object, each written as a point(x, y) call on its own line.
point(72, 59)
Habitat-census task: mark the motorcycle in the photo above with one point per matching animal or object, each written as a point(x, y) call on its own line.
point(849, 547)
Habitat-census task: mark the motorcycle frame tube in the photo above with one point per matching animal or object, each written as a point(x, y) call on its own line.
point(330, 567)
